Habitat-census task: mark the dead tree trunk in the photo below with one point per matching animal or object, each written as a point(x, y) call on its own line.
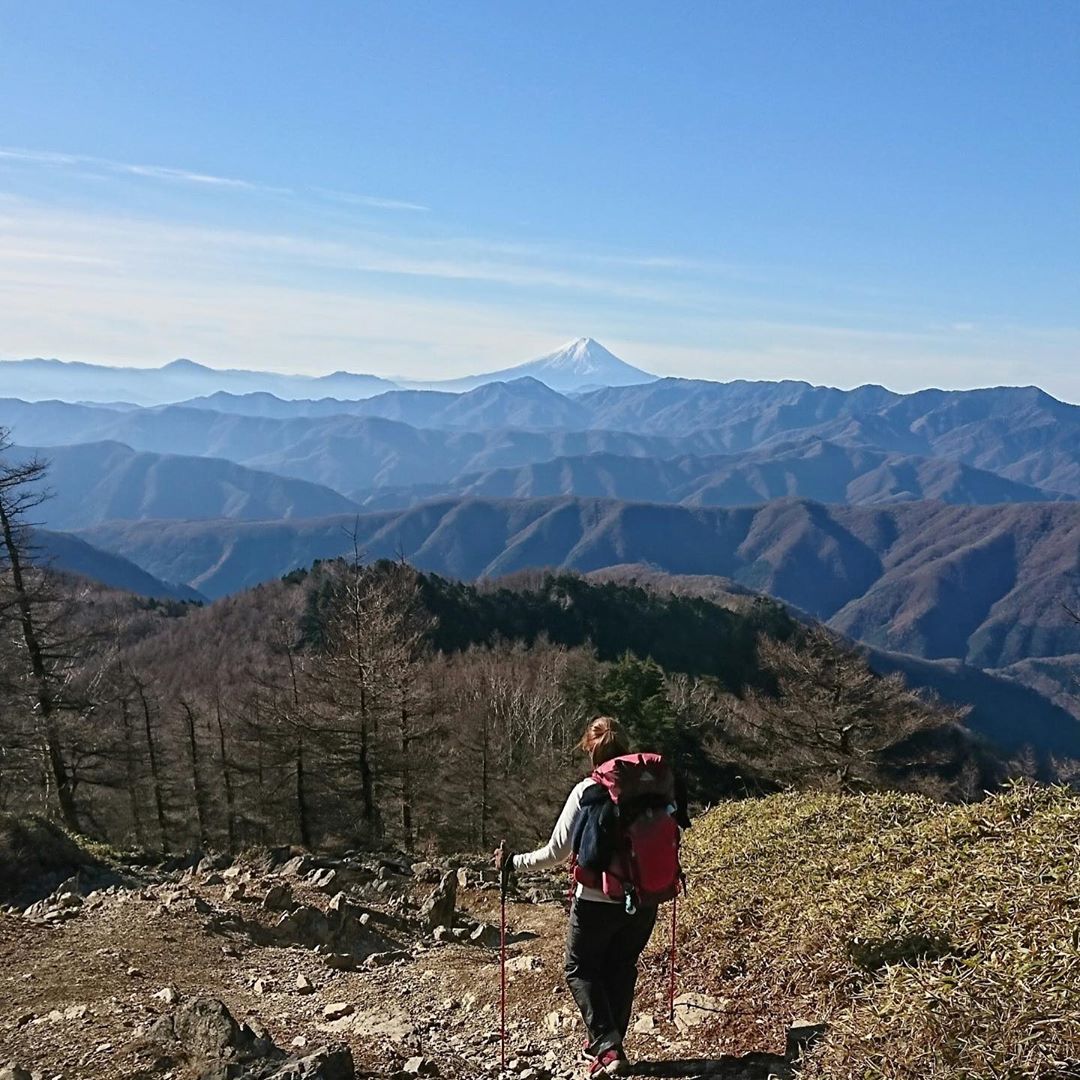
point(198, 792)
point(406, 770)
point(152, 760)
point(130, 778)
point(226, 781)
point(44, 705)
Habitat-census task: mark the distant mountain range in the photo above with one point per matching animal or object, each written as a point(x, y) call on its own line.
point(42, 380)
point(980, 584)
point(580, 364)
point(347, 453)
point(96, 482)
point(857, 446)
point(74, 556)
point(812, 469)
point(940, 528)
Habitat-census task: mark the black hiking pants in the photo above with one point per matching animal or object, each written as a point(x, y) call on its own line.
point(602, 950)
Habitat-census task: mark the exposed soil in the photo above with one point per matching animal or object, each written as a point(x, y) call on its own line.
point(76, 998)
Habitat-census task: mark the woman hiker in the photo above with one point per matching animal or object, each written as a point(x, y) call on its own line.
point(604, 939)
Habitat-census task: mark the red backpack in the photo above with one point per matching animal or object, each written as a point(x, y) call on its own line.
point(645, 869)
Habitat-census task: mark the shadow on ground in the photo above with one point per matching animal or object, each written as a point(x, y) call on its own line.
point(748, 1067)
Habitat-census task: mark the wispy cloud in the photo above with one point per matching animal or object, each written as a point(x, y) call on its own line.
point(90, 286)
point(56, 160)
point(351, 199)
point(252, 254)
point(53, 159)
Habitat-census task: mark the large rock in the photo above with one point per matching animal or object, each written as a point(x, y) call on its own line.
point(204, 1032)
point(438, 909)
point(426, 873)
point(490, 937)
point(278, 898)
point(204, 1028)
point(692, 1009)
point(327, 1063)
point(299, 866)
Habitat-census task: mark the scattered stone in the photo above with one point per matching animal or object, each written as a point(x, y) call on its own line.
point(14, 1072)
point(420, 1066)
point(204, 1030)
point(134, 973)
point(645, 1024)
point(210, 863)
point(261, 986)
point(438, 909)
point(213, 880)
point(524, 963)
point(378, 1025)
point(560, 1021)
point(337, 961)
point(304, 985)
point(426, 873)
point(324, 1064)
point(384, 959)
point(337, 1009)
point(801, 1036)
point(693, 1009)
point(278, 898)
point(325, 881)
point(486, 935)
point(400, 866)
point(298, 866)
point(168, 995)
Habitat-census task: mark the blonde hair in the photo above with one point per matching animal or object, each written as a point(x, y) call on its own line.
point(604, 740)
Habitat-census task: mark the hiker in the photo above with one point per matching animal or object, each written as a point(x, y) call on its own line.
point(609, 925)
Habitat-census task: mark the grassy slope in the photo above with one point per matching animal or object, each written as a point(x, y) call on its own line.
point(937, 941)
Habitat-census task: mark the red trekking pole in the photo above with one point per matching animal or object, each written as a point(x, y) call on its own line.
point(671, 962)
point(503, 879)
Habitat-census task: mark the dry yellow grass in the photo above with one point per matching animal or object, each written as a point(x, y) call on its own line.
point(936, 941)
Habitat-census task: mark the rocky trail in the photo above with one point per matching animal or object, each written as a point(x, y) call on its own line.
point(283, 967)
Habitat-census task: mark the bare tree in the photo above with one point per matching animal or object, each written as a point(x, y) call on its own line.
point(830, 720)
point(28, 606)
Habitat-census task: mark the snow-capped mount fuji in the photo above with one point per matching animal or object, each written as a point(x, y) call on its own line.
point(582, 364)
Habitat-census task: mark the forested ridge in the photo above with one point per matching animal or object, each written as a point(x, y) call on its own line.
point(369, 704)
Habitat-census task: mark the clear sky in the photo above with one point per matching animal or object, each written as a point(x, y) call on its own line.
point(843, 192)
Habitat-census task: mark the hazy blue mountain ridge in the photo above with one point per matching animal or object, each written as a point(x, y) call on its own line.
point(976, 583)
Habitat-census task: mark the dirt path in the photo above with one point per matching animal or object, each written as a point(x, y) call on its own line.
point(75, 998)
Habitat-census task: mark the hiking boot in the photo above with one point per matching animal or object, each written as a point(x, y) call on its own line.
point(610, 1063)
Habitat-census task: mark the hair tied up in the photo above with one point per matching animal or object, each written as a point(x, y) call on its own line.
point(604, 740)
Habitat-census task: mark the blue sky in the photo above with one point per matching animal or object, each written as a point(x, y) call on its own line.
point(846, 193)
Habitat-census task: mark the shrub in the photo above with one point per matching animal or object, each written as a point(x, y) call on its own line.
point(936, 941)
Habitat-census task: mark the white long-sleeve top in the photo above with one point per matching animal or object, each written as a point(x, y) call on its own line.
point(558, 848)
